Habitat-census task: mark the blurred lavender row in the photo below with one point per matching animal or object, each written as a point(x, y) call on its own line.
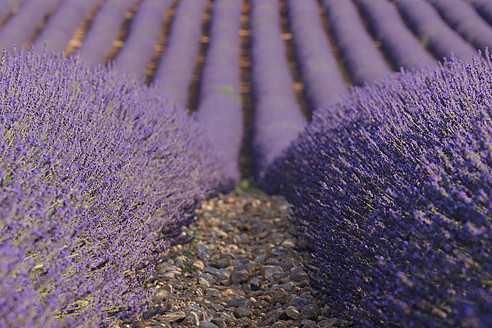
point(484, 8)
point(144, 34)
point(7, 6)
point(462, 17)
point(21, 27)
point(364, 62)
point(105, 27)
point(219, 111)
point(436, 35)
point(175, 69)
point(323, 81)
point(278, 118)
point(399, 44)
point(98, 174)
point(60, 28)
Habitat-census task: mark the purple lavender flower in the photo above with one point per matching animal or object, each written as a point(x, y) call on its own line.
point(391, 191)
point(97, 175)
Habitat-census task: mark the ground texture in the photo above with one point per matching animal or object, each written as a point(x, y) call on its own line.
point(241, 270)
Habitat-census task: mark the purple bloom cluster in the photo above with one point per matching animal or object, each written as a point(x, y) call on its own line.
point(392, 192)
point(144, 34)
point(463, 18)
point(175, 69)
point(363, 60)
point(22, 26)
point(278, 118)
point(400, 45)
point(323, 81)
point(97, 174)
point(62, 25)
point(219, 111)
point(104, 28)
point(436, 35)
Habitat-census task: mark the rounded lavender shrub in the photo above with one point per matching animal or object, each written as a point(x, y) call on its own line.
point(97, 175)
point(392, 192)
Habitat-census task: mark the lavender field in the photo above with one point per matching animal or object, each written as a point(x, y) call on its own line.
point(371, 117)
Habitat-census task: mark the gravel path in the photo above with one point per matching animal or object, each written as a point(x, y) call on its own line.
point(241, 271)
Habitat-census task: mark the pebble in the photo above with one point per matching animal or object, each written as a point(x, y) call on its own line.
point(242, 312)
point(242, 272)
point(239, 276)
point(309, 324)
point(207, 324)
point(239, 302)
point(203, 282)
point(198, 265)
point(309, 312)
point(292, 312)
point(192, 319)
point(255, 284)
point(174, 316)
point(297, 274)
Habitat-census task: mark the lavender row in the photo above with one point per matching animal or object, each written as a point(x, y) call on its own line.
point(461, 16)
point(436, 35)
point(175, 69)
point(97, 175)
point(277, 115)
point(104, 29)
point(392, 196)
point(144, 33)
point(364, 62)
point(484, 8)
point(399, 44)
point(7, 7)
point(21, 27)
point(323, 81)
point(61, 27)
point(219, 110)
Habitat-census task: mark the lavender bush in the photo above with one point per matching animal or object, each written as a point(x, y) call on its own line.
point(484, 8)
point(278, 118)
point(175, 69)
point(432, 30)
point(462, 17)
point(144, 34)
point(104, 28)
point(399, 44)
point(323, 80)
point(219, 111)
point(7, 6)
point(392, 192)
point(363, 60)
point(21, 27)
point(61, 27)
point(97, 175)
